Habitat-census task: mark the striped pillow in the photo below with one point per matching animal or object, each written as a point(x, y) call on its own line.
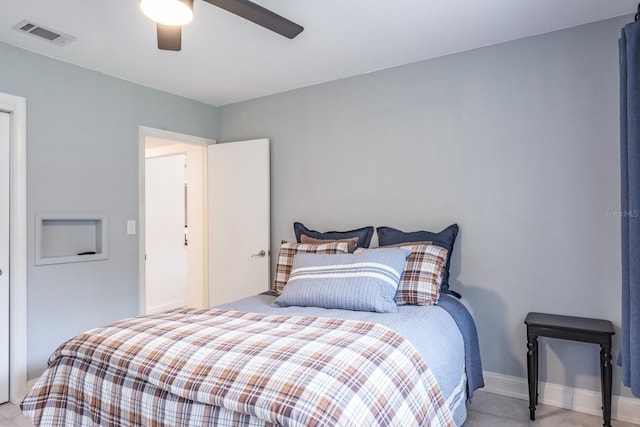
point(420, 282)
point(288, 250)
point(362, 282)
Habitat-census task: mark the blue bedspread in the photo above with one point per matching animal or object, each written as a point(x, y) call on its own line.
point(467, 327)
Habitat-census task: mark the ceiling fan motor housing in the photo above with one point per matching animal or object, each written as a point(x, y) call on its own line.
point(169, 28)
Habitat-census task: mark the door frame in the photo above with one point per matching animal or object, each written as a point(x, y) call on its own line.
point(17, 108)
point(145, 132)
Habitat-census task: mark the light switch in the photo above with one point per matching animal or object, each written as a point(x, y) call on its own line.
point(131, 227)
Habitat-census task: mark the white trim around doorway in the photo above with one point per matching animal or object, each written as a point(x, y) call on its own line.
point(17, 108)
point(145, 132)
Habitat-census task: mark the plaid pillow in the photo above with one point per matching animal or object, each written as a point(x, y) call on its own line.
point(352, 241)
point(288, 250)
point(420, 282)
point(445, 238)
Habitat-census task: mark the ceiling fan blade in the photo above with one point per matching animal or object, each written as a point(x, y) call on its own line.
point(259, 15)
point(169, 37)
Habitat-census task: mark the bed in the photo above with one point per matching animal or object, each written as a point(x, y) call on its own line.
point(261, 361)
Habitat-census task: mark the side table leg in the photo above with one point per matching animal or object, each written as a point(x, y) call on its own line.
point(537, 371)
point(532, 374)
point(606, 377)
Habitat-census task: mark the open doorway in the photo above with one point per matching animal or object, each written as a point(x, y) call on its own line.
point(166, 232)
point(182, 160)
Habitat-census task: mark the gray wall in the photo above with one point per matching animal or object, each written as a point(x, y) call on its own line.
point(517, 143)
point(82, 157)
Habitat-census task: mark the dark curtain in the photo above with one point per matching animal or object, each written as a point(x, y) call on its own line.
point(630, 197)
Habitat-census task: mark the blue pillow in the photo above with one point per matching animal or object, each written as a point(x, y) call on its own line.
point(445, 239)
point(364, 234)
point(367, 281)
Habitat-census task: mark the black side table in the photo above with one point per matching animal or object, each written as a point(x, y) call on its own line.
point(569, 328)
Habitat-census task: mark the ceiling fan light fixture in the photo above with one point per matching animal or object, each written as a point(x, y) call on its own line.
point(168, 12)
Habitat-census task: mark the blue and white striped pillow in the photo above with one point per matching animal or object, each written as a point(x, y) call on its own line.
point(362, 282)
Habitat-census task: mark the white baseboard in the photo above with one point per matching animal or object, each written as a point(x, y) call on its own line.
point(576, 399)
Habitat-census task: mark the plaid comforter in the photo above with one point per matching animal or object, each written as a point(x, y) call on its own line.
point(219, 367)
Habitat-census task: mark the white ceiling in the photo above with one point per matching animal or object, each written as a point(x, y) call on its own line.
point(226, 59)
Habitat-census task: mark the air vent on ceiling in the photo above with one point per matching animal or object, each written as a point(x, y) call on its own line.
point(56, 37)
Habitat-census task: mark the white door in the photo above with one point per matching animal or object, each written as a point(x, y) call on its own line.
point(166, 266)
point(239, 220)
point(4, 256)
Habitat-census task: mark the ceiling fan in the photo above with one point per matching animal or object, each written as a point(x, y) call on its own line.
point(171, 15)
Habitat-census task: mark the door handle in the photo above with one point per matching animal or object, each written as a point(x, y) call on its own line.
point(260, 254)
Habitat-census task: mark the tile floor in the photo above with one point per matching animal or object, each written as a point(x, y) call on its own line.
point(486, 410)
point(492, 410)
point(11, 416)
